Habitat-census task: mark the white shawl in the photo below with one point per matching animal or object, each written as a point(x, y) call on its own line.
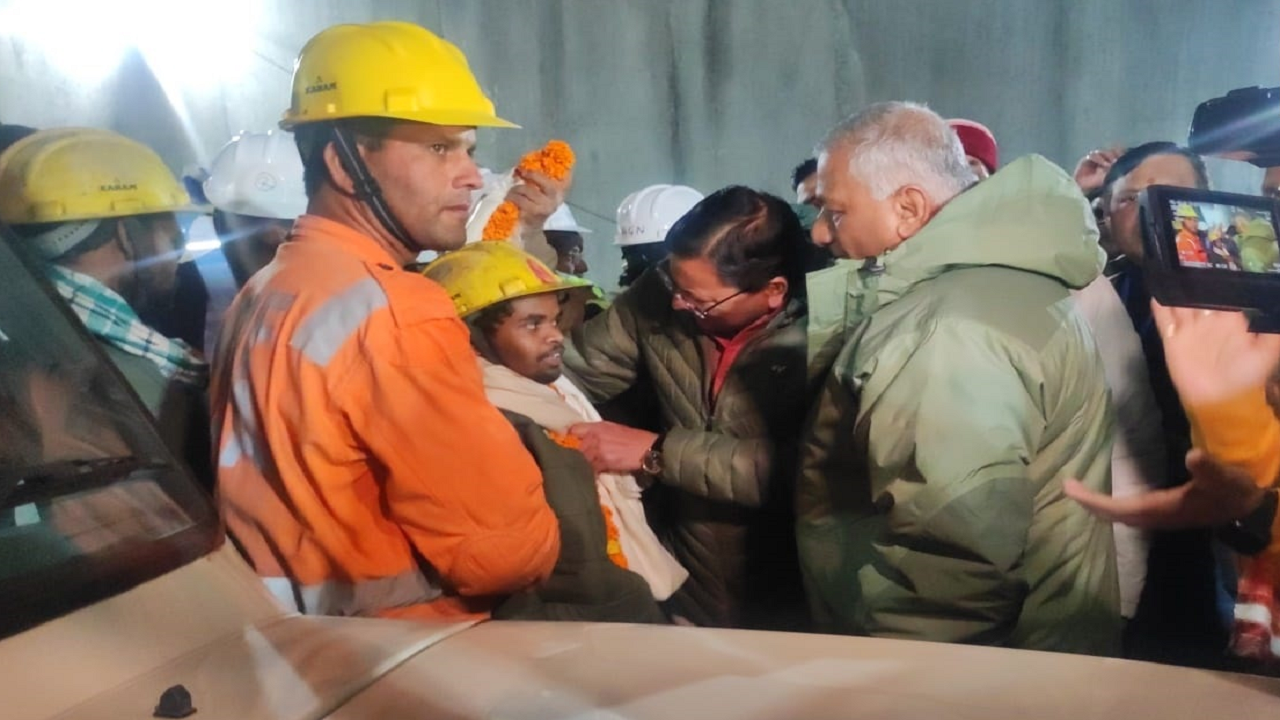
point(558, 406)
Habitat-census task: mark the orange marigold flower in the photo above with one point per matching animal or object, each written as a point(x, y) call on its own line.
point(613, 537)
point(613, 546)
point(502, 223)
point(564, 439)
point(555, 161)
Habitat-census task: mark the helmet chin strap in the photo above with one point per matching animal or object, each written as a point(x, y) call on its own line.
point(366, 187)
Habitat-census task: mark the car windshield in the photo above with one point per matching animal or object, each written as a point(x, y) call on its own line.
point(91, 502)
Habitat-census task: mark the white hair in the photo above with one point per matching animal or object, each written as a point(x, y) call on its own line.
point(892, 144)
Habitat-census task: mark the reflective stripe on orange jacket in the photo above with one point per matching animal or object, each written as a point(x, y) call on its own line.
point(360, 466)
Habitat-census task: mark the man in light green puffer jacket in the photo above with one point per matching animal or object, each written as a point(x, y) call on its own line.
point(964, 388)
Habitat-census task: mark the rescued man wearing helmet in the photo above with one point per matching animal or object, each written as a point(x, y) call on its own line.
point(513, 304)
point(361, 468)
point(715, 334)
point(98, 210)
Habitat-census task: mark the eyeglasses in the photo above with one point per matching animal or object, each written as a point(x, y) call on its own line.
point(690, 305)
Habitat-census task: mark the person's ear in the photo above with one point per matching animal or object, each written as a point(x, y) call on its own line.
point(338, 174)
point(775, 292)
point(125, 241)
point(913, 208)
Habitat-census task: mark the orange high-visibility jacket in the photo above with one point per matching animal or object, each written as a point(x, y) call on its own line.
point(360, 466)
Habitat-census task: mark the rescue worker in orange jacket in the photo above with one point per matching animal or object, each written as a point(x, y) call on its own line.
point(1190, 248)
point(361, 468)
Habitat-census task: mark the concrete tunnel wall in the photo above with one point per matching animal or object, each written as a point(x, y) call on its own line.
point(702, 92)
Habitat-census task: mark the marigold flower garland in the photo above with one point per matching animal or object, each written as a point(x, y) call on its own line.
point(555, 161)
point(613, 544)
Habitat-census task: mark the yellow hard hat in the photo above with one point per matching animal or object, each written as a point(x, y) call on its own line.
point(1186, 211)
point(576, 281)
point(485, 273)
point(69, 174)
point(386, 69)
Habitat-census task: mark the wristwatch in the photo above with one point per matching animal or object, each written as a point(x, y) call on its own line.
point(1251, 534)
point(651, 463)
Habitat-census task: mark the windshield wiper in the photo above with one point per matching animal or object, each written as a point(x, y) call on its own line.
point(36, 483)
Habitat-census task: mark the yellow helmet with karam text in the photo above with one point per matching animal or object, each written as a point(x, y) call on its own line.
point(393, 70)
point(67, 174)
point(487, 273)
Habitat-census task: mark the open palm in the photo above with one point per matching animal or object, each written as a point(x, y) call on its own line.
point(1212, 356)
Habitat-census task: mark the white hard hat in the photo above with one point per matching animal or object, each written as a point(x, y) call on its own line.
point(258, 174)
point(562, 220)
point(645, 216)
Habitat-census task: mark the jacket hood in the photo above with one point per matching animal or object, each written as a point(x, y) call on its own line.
point(1029, 216)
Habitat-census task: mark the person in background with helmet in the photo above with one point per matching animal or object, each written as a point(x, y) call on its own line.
point(512, 303)
point(716, 335)
point(980, 148)
point(362, 471)
point(255, 188)
point(1189, 241)
point(644, 217)
point(98, 210)
point(564, 235)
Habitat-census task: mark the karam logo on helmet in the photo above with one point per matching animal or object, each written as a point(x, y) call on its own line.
point(321, 86)
point(118, 186)
point(265, 182)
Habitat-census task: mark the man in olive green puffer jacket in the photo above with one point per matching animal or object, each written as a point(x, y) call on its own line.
point(965, 389)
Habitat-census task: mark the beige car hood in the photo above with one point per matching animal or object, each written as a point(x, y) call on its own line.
point(538, 671)
point(211, 627)
point(293, 668)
